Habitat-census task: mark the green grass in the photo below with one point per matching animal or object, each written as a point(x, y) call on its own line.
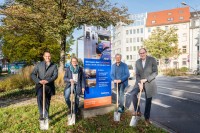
point(25, 119)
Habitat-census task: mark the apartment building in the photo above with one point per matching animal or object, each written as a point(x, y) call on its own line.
point(128, 39)
point(178, 18)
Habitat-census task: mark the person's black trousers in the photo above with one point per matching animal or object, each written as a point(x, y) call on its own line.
point(147, 104)
point(40, 102)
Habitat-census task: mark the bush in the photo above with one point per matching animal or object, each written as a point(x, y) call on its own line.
point(175, 72)
point(59, 81)
point(183, 69)
point(18, 81)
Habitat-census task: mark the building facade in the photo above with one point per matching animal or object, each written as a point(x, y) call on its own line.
point(128, 39)
point(179, 18)
point(194, 40)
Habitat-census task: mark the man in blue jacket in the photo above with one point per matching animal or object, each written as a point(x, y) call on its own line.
point(120, 75)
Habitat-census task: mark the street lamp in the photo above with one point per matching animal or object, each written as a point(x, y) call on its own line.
point(79, 38)
point(198, 43)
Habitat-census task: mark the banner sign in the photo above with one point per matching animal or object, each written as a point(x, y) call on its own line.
point(97, 66)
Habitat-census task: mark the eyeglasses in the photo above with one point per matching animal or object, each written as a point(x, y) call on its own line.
point(142, 53)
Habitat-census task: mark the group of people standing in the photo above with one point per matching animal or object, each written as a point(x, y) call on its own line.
point(46, 72)
point(145, 71)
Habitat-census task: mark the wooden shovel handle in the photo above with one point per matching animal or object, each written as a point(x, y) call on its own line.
point(117, 95)
point(43, 99)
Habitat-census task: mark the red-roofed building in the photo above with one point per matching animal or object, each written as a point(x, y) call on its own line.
point(178, 18)
point(168, 17)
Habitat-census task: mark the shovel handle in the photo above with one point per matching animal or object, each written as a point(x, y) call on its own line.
point(43, 99)
point(139, 97)
point(117, 95)
point(72, 98)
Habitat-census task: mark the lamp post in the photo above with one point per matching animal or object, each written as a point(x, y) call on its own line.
point(79, 38)
point(198, 42)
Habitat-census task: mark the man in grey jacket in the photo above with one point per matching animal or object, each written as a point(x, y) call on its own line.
point(146, 72)
point(45, 73)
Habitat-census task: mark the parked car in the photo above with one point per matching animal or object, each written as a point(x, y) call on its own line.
point(131, 71)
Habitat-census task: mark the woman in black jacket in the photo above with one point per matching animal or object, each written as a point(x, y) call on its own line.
point(74, 76)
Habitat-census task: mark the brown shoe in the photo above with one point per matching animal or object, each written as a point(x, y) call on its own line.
point(148, 122)
point(138, 114)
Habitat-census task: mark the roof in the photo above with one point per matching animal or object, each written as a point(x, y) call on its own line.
point(167, 17)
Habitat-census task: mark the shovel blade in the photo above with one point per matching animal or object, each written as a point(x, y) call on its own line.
point(71, 119)
point(116, 116)
point(44, 124)
point(133, 121)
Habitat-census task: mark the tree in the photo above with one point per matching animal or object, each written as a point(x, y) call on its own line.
point(58, 18)
point(163, 44)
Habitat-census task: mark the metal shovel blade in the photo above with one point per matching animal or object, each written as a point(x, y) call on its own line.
point(116, 116)
point(44, 124)
point(133, 121)
point(71, 119)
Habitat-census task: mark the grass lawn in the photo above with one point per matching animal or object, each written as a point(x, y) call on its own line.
point(25, 119)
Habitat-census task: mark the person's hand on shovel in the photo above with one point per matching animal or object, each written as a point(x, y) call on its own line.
point(43, 82)
point(140, 86)
point(72, 81)
point(83, 90)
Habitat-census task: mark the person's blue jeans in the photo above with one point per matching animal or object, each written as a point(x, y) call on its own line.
point(40, 102)
point(121, 88)
point(67, 93)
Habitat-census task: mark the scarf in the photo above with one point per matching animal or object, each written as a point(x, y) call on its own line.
point(74, 71)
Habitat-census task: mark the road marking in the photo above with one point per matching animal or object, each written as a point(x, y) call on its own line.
point(193, 87)
point(172, 96)
point(158, 103)
point(179, 90)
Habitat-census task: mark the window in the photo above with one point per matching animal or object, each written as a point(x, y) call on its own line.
point(184, 61)
point(138, 39)
point(126, 32)
point(142, 39)
point(130, 40)
point(134, 48)
point(169, 13)
point(153, 22)
point(138, 31)
point(127, 40)
point(180, 11)
point(181, 18)
point(134, 40)
point(127, 57)
point(130, 48)
point(184, 38)
point(130, 31)
point(166, 27)
point(131, 57)
point(175, 27)
point(170, 19)
point(134, 31)
point(196, 23)
point(175, 63)
point(141, 30)
point(127, 49)
point(184, 49)
point(184, 26)
point(138, 47)
point(149, 29)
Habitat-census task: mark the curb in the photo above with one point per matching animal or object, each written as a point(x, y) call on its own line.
point(165, 128)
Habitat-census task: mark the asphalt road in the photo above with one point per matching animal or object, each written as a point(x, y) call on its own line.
point(177, 105)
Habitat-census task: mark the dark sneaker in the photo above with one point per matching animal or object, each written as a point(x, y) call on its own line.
point(121, 109)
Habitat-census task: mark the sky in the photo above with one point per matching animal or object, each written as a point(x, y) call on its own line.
point(141, 6)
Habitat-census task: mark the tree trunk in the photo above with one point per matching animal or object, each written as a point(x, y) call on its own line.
point(62, 53)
